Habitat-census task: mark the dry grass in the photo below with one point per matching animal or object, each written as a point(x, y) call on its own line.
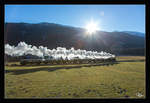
point(122, 80)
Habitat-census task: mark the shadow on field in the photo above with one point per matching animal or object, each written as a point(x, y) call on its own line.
point(50, 69)
point(132, 60)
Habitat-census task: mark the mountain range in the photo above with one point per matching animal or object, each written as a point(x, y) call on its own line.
point(135, 33)
point(54, 35)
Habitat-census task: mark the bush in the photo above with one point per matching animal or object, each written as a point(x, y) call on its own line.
point(46, 62)
point(13, 64)
point(23, 62)
point(6, 64)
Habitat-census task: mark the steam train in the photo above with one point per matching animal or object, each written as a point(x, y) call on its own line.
point(62, 61)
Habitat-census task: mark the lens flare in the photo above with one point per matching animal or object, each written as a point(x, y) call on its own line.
point(91, 27)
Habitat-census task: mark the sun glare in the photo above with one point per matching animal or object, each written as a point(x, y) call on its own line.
point(91, 27)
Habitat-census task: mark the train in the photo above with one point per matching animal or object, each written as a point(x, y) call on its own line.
point(62, 61)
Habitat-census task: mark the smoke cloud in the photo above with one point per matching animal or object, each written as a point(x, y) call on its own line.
point(59, 53)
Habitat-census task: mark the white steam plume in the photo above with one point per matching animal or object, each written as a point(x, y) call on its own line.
point(59, 53)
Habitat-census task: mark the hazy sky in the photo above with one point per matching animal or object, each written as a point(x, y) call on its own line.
point(109, 17)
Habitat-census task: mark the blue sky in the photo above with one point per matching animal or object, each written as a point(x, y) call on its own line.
point(109, 17)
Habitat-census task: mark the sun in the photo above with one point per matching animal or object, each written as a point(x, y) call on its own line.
point(91, 27)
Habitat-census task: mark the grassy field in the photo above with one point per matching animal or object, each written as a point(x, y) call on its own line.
point(126, 79)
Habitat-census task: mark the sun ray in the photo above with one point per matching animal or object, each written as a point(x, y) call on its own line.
point(91, 27)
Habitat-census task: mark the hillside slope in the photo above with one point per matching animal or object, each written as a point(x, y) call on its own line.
point(54, 35)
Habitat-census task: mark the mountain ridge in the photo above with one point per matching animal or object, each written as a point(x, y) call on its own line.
point(53, 35)
point(135, 33)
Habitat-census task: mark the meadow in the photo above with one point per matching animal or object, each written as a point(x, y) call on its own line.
point(124, 79)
